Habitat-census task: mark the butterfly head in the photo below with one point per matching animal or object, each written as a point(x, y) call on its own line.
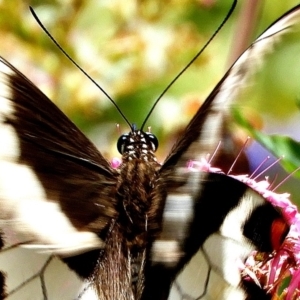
point(138, 144)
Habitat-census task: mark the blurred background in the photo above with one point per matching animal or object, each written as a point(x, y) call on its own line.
point(133, 49)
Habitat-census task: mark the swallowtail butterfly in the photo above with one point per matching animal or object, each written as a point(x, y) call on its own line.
point(132, 232)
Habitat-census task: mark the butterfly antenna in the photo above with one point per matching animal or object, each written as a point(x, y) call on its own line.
point(76, 64)
point(191, 62)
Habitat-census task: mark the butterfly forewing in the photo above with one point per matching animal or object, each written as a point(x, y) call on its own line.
point(58, 173)
point(134, 232)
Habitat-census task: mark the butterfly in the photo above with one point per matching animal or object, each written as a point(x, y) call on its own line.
point(132, 232)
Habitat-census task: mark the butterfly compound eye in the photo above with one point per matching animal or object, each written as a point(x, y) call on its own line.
point(122, 142)
point(153, 140)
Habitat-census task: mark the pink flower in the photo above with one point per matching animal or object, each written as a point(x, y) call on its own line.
point(116, 162)
point(270, 271)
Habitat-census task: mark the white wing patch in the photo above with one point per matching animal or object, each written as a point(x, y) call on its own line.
point(236, 218)
point(5, 93)
point(191, 283)
point(26, 210)
point(10, 146)
point(32, 276)
point(177, 216)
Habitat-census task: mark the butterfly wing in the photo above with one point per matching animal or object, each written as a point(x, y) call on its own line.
point(35, 276)
point(192, 199)
point(56, 189)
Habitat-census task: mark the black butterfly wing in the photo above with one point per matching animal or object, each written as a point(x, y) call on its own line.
point(56, 189)
point(194, 211)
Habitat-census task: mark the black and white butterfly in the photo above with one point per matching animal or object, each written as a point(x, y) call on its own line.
point(135, 232)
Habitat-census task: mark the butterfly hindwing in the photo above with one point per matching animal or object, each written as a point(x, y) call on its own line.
point(36, 276)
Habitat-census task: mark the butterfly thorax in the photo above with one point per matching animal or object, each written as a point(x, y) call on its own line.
point(129, 238)
point(138, 175)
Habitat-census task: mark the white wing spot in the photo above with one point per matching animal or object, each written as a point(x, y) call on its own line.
point(28, 212)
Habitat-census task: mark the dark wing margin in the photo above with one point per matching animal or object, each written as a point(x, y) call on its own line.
point(180, 188)
point(56, 189)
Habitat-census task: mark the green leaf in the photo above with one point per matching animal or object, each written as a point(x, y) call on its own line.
point(279, 145)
